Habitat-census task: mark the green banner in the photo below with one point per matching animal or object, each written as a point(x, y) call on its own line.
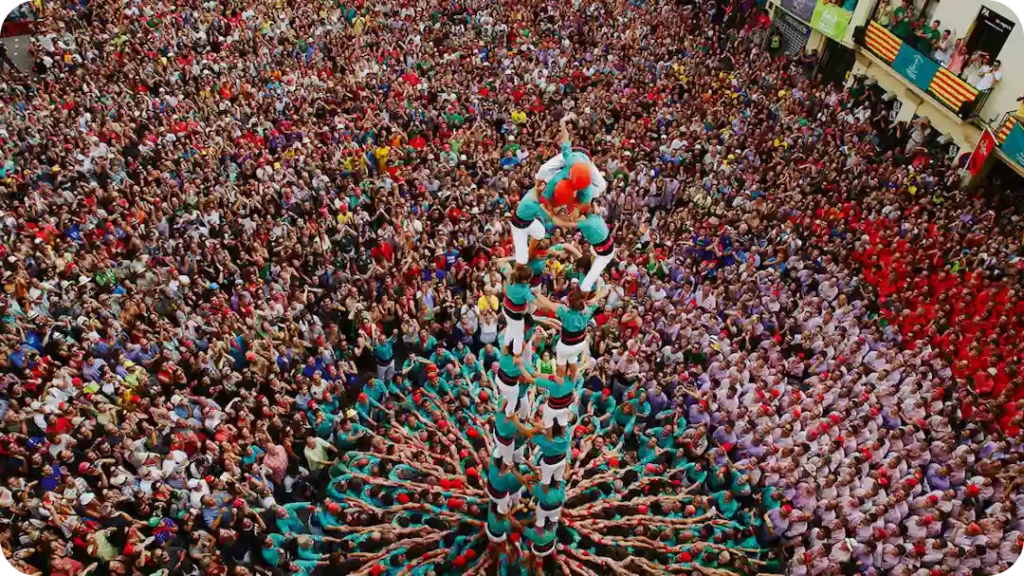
point(915, 67)
point(1013, 147)
point(831, 20)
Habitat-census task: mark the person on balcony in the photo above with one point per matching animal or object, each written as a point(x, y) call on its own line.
point(884, 16)
point(944, 48)
point(903, 21)
point(989, 76)
point(928, 37)
point(975, 68)
point(958, 59)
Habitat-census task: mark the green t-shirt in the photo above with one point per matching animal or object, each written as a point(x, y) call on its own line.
point(537, 265)
point(583, 196)
point(507, 364)
point(903, 27)
point(504, 425)
point(498, 525)
point(557, 387)
point(541, 537)
point(518, 294)
point(594, 229)
point(328, 520)
point(550, 498)
point(573, 320)
point(602, 404)
point(528, 209)
point(664, 441)
point(557, 446)
point(386, 350)
point(504, 482)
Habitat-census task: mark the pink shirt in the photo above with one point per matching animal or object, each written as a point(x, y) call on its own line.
point(277, 460)
point(956, 63)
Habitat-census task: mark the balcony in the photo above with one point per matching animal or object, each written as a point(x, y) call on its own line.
point(925, 74)
point(1010, 137)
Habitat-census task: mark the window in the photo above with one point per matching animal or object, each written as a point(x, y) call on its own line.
point(989, 33)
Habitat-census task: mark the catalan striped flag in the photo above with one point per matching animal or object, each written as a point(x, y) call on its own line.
point(1005, 131)
point(883, 43)
point(947, 87)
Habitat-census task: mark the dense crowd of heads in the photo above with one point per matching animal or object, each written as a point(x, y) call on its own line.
point(214, 215)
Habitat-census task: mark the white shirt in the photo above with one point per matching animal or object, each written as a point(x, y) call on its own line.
point(988, 78)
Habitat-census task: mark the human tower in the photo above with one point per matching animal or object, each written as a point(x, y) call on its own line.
point(536, 410)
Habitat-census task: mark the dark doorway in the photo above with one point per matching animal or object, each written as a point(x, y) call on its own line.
point(989, 33)
point(836, 62)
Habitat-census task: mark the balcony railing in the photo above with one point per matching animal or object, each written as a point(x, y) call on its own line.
point(1006, 123)
point(1009, 130)
point(922, 71)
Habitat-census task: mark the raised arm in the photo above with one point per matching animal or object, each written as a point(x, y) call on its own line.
point(544, 303)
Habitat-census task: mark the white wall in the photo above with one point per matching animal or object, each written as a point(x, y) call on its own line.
point(958, 15)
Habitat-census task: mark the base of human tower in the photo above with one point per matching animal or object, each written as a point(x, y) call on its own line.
point(618, 518)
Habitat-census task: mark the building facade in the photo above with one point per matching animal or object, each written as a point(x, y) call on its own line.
point(951, 61)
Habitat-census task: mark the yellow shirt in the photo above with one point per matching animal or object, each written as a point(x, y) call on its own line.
point(381, 153)
point(519, 117)
point(487, 302)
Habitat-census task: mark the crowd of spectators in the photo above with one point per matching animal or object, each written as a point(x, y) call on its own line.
point(216, 217)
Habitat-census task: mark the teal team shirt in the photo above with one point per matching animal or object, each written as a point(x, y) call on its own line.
point(557, 387)
point(553, 447)
point(386, 351)
point(502, 482)
point(519, 294)
point(552, 497)
point(498, 525)
point(575, 320)
point(594, 229)
point(506, 428)
point(529, 209)
point(540, 537)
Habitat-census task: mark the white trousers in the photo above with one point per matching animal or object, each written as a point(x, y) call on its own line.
point(515, 335)
point(569, 353)
point(548, 552)
point(386, 372)
point(511, 396)
point(525, 414)
point(594, 274)
point(502, 503)
point(506, 453)
point(549, 472)
point(494, 538)
point(545, 516)
point(521, 239)
point(550, 414)
point(527, 355)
